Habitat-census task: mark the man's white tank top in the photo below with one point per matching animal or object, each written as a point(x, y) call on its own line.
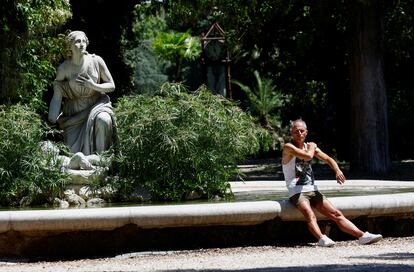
point(299, 176)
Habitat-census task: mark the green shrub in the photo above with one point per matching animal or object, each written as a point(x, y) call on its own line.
point(30, 48)
point(176, 143)
point(25, 171)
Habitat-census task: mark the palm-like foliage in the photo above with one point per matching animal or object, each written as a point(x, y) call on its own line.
point(265, 102)
point(176, 47)
point(264, 99)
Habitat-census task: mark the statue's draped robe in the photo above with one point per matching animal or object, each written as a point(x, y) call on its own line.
point(80, 108)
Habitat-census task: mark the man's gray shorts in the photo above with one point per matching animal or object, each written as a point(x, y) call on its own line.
point(314, 198)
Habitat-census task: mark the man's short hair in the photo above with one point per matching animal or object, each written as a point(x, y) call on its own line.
point(299, 120)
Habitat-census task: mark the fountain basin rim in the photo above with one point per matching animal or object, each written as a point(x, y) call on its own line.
point(43, 222)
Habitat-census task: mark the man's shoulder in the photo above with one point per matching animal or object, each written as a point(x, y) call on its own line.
point(286, 153)
point(288, 146)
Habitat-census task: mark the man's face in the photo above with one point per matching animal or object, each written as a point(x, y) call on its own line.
point(299, 132)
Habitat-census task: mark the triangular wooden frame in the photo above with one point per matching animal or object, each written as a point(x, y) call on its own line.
point(213, 27)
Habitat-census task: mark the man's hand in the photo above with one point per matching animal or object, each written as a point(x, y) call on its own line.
point(340, 178)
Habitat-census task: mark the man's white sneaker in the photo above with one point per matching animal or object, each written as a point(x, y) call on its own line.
point(369, 238)
point(325, 241)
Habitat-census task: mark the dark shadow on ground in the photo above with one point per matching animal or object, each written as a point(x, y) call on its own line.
point(317, 268)
point(389, 256)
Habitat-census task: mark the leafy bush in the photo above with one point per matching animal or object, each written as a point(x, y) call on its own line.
point(26, 172)
point(177, 143)
point(30, 48)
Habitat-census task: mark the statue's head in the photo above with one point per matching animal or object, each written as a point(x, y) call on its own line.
point(70, 38)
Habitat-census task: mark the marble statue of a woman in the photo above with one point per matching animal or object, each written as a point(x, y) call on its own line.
point(80, 104)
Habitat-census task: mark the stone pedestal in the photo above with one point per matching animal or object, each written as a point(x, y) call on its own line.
point(81, 178)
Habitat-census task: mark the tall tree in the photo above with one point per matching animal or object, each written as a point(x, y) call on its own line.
point(369, 125)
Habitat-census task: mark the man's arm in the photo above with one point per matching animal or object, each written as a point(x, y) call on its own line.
point(340, 178)
point(289, 150)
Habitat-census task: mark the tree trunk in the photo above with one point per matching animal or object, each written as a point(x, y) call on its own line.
point(178, 62)
point(369, 124)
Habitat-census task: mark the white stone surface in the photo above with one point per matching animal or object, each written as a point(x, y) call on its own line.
point(236, 213)
point(350, 185)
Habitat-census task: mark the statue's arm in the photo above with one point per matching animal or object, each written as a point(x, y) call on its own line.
point(108, 82)
point(106, 85)
point(56, 102)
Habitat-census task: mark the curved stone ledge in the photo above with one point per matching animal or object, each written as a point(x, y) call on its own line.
point(237, 213)
point(245, 213)
point(355, 206)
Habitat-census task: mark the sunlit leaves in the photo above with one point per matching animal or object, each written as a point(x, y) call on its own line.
point(25, 171)
point(32, 48)
point(175, 143)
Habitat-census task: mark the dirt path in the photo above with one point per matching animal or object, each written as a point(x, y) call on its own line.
point(391, 254)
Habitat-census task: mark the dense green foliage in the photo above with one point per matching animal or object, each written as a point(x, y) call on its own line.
point(301, 50)
point(175, 143)
point(156, 52)
point(26, 172)
point(177, 47)
point(266, 102)
point(279, 39)
point(148, 71)
point(293, 43)
point(30, 48)
point(305, 48)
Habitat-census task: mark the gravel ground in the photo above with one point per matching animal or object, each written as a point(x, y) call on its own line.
point(391, 254)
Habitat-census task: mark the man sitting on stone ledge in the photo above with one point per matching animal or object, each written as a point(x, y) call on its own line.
point(304, 194)
point(80, 104)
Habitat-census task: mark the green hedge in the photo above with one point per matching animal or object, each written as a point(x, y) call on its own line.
point(176, 143)
point(26, 173)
